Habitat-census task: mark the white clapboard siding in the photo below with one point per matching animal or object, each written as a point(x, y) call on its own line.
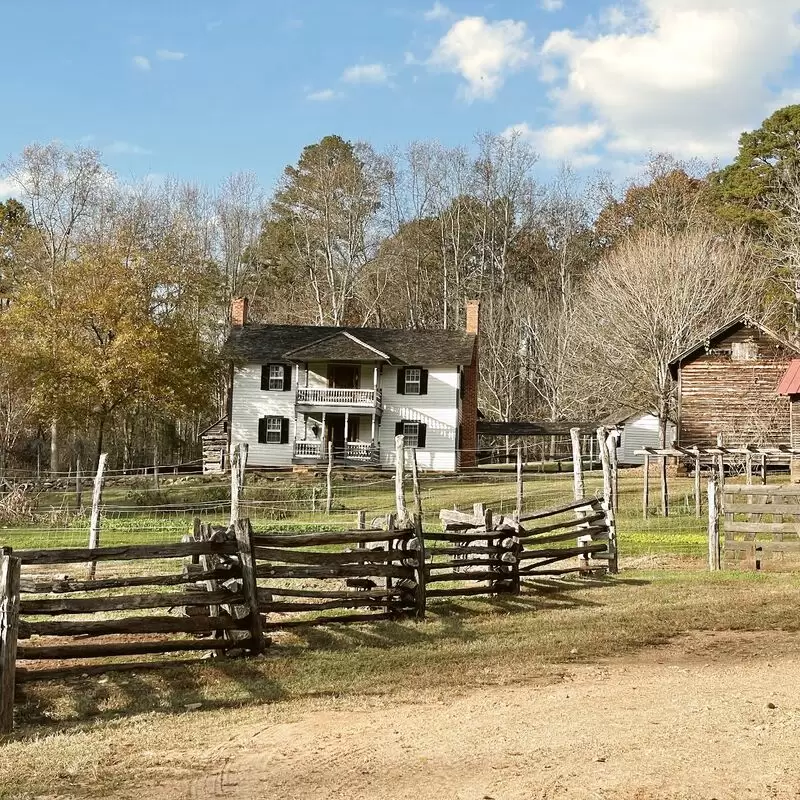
point(249, 404)
point(639, 432)
point(438, 409)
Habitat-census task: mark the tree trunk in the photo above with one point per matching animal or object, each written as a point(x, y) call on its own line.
point(54, 455)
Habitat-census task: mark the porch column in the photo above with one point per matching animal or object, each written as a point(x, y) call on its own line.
point(323, 437)
point(375, 378)
point(372, 436)
point(346, 428)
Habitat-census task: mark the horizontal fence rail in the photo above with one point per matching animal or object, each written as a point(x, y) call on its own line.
point(759, 524)
point(231, 588)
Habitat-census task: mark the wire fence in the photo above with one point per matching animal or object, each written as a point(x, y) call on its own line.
point(161, 506)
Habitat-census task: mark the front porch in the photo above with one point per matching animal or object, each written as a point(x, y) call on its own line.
point(352, 437)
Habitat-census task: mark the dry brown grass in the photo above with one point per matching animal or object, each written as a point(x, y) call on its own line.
point(91, 736)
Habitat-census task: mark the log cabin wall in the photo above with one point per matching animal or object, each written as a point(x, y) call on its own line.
point(732, 389)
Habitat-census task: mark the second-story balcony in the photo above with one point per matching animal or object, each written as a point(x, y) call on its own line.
point(339, 398)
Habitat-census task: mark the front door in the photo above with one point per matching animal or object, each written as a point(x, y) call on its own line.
point(343, 376)
point(334, 432)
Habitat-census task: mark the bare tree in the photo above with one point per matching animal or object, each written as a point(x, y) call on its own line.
point(653, 297)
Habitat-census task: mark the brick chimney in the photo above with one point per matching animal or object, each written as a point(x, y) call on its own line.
point(469, 402)
point(239, 310)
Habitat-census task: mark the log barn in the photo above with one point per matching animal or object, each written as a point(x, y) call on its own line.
point(728, 384)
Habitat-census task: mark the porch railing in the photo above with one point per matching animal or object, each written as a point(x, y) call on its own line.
point(354, 451)
point(367, 398)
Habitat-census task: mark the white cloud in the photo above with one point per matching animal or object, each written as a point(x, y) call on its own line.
point(563, 142)
point(142, 63)
point(170, 55)
point(437, 11)
point(8, 188)
point(680, 75)
point(366, 73)
point(483, 53)
point(323, 95)
point(551, 5)
point(122, 148)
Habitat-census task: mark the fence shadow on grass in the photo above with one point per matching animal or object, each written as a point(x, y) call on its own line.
point(221, 683)
point(81, 701)
point(450, 617)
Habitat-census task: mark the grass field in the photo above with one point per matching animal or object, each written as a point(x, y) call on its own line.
point(135, 511)
point(96, 735)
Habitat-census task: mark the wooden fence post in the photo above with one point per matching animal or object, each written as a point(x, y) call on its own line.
point(415, 483)
point(94, 521)
point(399, 473)
point(238, 464)
point(156, 483)
point(519, 481)
point(646, 487)
point(602, 437)
point(247, 562)
point(9, 629)
point(662, 463)
point(698, 501)
point(612, 442)
point(577, 464)
point(420, 596)
point(714, 551)
point(329, 481)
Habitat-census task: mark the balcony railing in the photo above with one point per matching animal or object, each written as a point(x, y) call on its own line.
point(365, 398)
point(354, 451)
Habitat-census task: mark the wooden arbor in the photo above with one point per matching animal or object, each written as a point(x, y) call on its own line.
point(716, 459)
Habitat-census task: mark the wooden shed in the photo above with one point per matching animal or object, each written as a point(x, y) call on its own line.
point(215, 447)
point(638, 429)
point(728, 384)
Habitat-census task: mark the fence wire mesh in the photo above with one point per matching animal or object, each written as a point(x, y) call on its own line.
point(157, 508)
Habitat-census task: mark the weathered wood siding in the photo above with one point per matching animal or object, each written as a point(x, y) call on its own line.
point(737, 398)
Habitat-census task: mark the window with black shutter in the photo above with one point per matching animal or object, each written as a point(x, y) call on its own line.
point(276, 377)
point(414, 433)
point(273, 430)
point(412, 380)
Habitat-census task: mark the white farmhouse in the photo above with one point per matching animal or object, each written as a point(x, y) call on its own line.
point(296, 389)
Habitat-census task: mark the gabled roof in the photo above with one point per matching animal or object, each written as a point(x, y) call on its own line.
point(701, 347)
point(339, 346)
point(260, 344)
point(622, 415)
point(790, 382)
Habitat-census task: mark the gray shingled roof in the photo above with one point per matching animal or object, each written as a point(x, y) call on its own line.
point(260, 344)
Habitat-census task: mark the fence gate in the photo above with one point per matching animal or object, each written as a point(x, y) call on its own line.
point(761, 524)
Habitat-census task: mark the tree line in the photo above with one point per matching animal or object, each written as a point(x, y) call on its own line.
point(116, 297)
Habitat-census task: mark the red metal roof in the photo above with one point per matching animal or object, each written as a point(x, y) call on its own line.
point(790, 382)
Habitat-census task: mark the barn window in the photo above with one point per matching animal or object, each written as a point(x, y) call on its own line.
point(744, 351)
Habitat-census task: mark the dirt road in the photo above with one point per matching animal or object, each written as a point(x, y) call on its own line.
point(708, 716)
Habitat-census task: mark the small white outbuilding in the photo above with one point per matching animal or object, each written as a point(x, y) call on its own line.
point(639, 429)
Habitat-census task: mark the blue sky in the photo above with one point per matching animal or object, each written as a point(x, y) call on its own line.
point(202, 89)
